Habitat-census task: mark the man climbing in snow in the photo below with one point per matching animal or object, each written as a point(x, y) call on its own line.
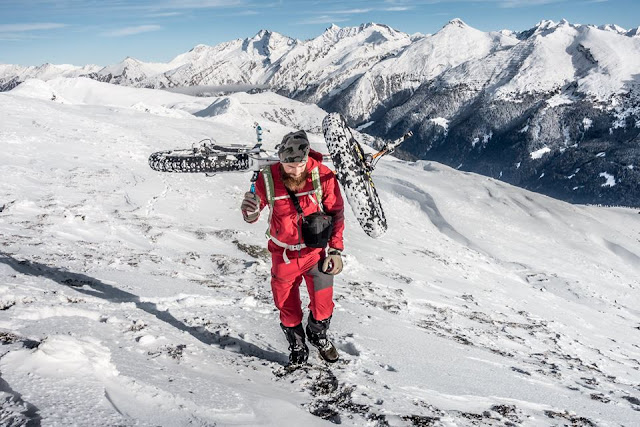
point(306, 216)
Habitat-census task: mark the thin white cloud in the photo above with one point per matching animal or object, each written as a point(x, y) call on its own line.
point(36, 26)
point(164, 14)
point(11, 38)
point(499, 3)
point(148, 7)
point(334, 16)
point(323, 19)
point(351, 11)
point(196, 4)
point(367, 10)
point(129, 31)
point(525, 3)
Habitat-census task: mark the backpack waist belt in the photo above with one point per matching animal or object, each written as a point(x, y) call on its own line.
point(287, 247)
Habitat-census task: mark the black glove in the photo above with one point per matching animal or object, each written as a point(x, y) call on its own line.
point(250, 207)
point(332, 264)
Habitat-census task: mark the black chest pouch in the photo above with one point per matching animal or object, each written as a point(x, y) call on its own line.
point(316, 228)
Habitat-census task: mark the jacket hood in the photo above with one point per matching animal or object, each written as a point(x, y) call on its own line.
point(314, 158)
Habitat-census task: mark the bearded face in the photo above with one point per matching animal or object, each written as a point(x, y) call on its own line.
point(293, 179)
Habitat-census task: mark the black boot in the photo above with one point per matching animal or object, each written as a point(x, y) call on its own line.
point(317, 333)
point(299, 350)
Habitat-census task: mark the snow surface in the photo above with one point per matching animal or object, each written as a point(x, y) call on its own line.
point(132, 297)
point(539, 153)
point(610, 179)
point(442, 122)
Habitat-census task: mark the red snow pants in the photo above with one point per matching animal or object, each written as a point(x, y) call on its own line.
point(285, 285)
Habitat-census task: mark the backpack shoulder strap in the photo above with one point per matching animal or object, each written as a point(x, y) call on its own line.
point(317, 186)
point(270, 193)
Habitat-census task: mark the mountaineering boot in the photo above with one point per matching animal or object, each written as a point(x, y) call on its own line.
point(317, 333)
point(299, 350)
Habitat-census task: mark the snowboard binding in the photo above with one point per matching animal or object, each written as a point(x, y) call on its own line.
point(371, 160)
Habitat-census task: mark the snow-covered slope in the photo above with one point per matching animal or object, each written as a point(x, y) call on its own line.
point(423, 60)
point(550, 59)
point(601, 61)
point(131, 297)
point(319, 69)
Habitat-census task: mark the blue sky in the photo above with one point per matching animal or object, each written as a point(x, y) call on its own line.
point(104, 32)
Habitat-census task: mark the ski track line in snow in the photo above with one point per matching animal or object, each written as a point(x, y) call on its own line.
point(154, 200)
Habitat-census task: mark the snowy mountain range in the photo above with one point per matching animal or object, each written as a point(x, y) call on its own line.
point(133, 297)
point(555, 108)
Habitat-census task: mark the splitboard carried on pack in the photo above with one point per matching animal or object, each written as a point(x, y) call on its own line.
point(353, 167)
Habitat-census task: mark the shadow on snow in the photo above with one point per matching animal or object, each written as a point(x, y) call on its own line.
point(94, 287)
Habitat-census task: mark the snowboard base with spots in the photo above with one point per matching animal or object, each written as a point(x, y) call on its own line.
point(354, 173)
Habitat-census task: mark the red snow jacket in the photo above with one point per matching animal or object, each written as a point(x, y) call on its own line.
point(285, 223)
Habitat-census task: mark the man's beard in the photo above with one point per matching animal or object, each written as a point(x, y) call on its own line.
point(294, 184)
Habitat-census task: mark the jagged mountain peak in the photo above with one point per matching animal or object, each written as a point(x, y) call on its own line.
point(126, 63)
point(550, 25)
point(48, 67)
point(265, 34)
point(131, 61)
point(634, 32)
point(456, 26)
point(544, 27)
point(545, 24)
point(457, 22)
point(613, 28)
point(200, 48)
point(377, 26)
point(268, 43)
point(337, 33)
point(261, 34)
point(332, 28)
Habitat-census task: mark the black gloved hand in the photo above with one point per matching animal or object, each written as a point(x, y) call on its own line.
point(332, 264)
point(250, 207)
